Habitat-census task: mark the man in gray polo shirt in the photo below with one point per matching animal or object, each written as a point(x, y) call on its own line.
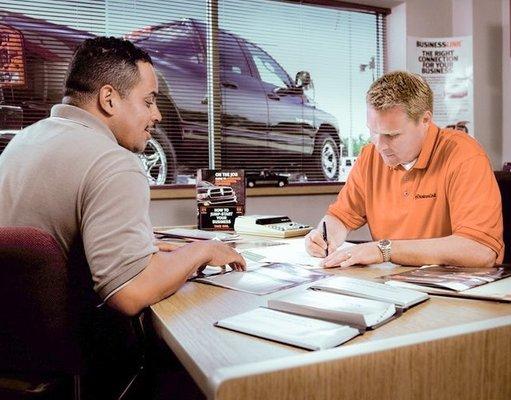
point(74, 175)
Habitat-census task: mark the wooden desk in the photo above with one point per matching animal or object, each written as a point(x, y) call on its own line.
point(445, 348)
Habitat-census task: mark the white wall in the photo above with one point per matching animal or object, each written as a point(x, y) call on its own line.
point(396, 39)
point(506, 81)
point(428, 18)
point(487, 34)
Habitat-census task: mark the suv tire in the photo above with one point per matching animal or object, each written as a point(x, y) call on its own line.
point(159, 159)
point(326, 159)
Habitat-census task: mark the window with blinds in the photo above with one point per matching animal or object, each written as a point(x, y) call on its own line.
point(291, 75)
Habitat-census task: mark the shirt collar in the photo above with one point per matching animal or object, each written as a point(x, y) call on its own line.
point(427, 147)
point(82, 117)
point(409, 166)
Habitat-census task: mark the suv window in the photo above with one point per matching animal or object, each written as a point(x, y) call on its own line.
point(232, 58)
point(268, 69)
point(179, 41)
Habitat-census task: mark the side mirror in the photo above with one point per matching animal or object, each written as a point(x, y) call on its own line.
point(303, 79)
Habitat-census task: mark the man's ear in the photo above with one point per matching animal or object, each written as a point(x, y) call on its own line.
point(108, 98)
point(427, 117)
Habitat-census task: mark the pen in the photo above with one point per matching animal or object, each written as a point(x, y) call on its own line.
point(325, 238)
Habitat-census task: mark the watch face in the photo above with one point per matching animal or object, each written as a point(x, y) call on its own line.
point(385, 242)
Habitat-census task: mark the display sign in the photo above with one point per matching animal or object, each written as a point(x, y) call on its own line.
point(447, 65)
point(220, 198)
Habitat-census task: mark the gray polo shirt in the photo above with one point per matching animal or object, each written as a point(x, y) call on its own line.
point(68, 175)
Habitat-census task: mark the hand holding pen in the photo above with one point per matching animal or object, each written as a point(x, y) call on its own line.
point(325, 238)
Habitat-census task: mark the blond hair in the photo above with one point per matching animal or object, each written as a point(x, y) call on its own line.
point(400, 88)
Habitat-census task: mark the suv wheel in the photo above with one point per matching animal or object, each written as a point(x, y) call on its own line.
point(326, 159)
point(159, 159)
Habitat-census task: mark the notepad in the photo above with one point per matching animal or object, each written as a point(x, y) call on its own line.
point(308, 333)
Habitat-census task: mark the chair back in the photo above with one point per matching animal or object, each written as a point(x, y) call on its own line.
point(38, 331)
point(504, 181)
point(50, 320)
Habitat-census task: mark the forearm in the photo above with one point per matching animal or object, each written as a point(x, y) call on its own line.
point(165, 274)
point(450, 250)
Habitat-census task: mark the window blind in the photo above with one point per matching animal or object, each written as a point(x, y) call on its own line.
point(292, 77)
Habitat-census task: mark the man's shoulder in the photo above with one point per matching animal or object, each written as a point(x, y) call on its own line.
point(459, 144)
point(76, 149)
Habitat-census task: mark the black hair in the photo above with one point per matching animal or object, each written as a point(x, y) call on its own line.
point(103, 61)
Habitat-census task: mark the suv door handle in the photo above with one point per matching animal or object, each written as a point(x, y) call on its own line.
point(229, 85)
point(273, 96)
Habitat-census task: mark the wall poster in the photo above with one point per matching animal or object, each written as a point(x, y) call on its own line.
point(447, 65)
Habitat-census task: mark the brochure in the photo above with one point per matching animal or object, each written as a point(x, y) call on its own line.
point(220, 198)
point(262, 278)
point(477, 283)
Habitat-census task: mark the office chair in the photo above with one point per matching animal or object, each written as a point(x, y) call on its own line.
point(504, 181)
point(54, 339)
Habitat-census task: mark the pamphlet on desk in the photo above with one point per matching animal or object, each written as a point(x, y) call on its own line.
point(478, 283)
point(321, 318)
point(261, 278)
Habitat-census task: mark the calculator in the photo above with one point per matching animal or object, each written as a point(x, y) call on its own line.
point(270, 225)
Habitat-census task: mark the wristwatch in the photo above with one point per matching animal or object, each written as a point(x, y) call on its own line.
point(385, 247)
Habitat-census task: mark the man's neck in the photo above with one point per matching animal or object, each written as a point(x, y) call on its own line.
point(88, 106)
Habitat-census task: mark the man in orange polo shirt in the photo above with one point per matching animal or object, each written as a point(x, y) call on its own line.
point(428, 195)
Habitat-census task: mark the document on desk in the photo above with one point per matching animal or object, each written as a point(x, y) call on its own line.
point(308, 333)
point(292, 252)
point(477, 283)
point(262, 278)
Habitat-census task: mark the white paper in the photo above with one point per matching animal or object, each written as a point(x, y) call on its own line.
point(294, 253)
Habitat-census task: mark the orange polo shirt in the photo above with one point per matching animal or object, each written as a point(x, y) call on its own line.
point(451, 189)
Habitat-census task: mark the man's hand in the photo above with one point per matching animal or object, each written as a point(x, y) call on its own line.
point(315, 244)
point(363, 254)
point(221, 254)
